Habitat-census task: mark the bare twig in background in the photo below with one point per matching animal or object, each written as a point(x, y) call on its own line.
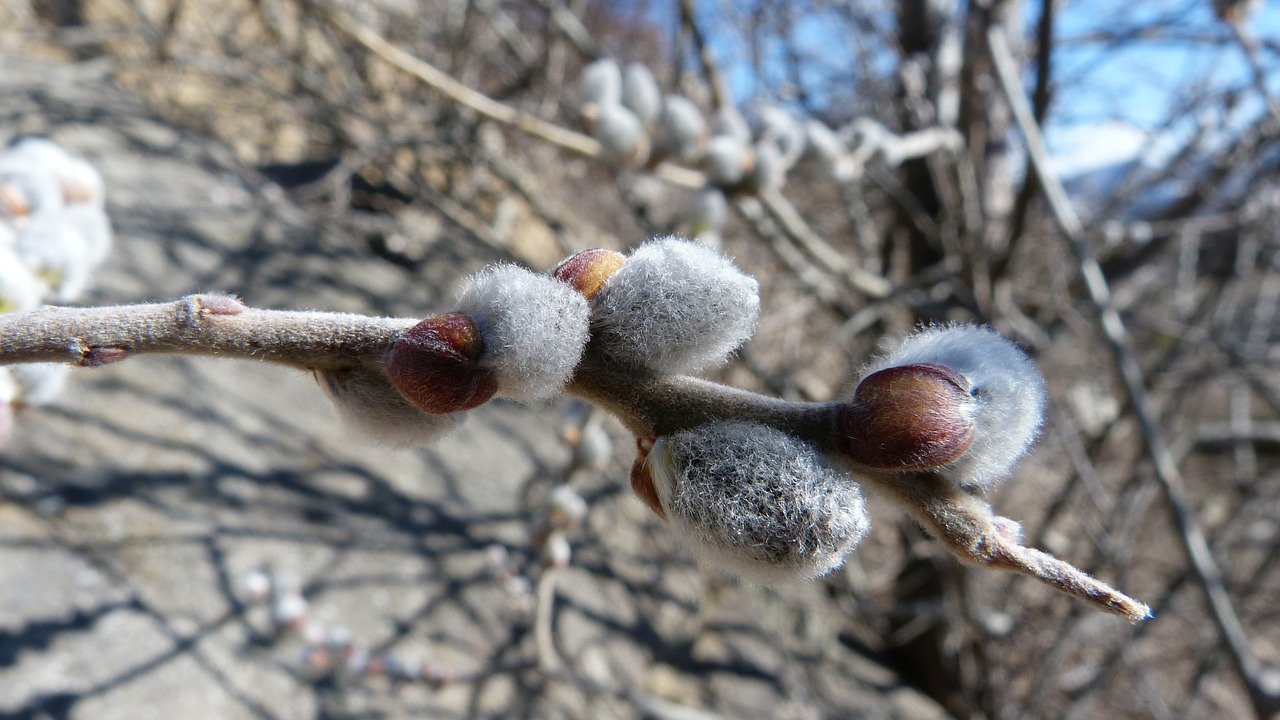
point(1262, 684)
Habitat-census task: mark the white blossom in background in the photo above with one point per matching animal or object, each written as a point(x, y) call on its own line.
point(641, 94)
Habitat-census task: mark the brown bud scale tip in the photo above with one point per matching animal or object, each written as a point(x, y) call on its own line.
point(435, 364)
point(589, 270)
point(908, 418)
point(642, 479)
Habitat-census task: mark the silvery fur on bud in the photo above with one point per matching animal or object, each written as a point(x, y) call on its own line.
point(1008, 389)
point(369, 404)
point(755, 501)
point(641, 94)
point(674, 306)
point(534, 329)
point(682, 130)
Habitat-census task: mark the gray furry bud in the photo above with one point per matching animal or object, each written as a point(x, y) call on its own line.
point(533, 326)
point(755, 501)
point(674, 306)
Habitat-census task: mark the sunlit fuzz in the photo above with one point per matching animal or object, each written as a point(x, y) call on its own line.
point(534, 329)
point(752, 500)
point(40, 384)
point(682, 132)
point(674, 306)
point(20, 289)
point(599, 85)
point(621, 135)
point(370, 405)
point(641, 94)
point(965, 375)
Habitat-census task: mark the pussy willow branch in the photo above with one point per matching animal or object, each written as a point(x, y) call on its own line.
point(216, 325)
point(648, 404)
point(1203, 564)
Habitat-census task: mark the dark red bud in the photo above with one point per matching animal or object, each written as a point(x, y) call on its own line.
point(435, 364)
point(910, 417)
point(642, 479)
point(589, 270)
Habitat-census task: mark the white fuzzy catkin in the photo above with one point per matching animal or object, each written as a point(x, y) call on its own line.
point(726, 161)
point(20, 289)
point(534, 329)
point(708, 211)
point(752, 500)
point(621, 135)
point(779, 128)
point(674, 306)
point(641, 94)
point(728, 121)
point(54, 248)
point(601, 83)
point(1007, 387)
point(682, 129)
point(40, 384)
point(369, 404)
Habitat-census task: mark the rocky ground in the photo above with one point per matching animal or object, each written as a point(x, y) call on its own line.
point(133, 508)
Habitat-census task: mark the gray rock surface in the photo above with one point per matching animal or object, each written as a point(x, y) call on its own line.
point(131, 509)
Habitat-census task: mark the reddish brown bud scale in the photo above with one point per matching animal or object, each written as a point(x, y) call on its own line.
point(589, 270)
point(435, 364)
point(909, 418)
point(642, 478)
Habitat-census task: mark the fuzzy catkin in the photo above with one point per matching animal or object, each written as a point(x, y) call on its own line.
point(1008, 391)
point(757, 502)
point(534, 329)
point(674, 306)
